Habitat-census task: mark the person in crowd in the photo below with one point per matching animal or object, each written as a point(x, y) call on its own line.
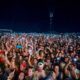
point(40, 72)
point(30, 74)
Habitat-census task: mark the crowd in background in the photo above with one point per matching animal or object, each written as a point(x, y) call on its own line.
point(39, 57)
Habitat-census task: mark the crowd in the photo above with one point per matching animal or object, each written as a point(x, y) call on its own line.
point(39, 57)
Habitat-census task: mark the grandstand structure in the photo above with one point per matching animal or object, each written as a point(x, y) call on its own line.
point(6, 31)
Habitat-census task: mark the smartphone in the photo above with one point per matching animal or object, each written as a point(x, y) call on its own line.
point(75, 59)
point(18, 46)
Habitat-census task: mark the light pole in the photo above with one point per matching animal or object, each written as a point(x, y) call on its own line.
point(51, 21)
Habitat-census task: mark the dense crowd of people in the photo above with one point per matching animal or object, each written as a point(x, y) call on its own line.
point(39, 57)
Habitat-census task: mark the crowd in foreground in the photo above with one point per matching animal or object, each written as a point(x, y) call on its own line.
point(39, 57)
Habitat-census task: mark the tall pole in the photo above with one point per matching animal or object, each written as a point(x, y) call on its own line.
point(51, 21)
point(51, 8)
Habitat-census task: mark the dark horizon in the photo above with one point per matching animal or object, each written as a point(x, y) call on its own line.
point(33, 16)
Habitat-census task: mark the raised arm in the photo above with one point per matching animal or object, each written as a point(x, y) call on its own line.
point(30, 61)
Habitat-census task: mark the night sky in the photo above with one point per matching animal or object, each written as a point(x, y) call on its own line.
point(33, 15)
